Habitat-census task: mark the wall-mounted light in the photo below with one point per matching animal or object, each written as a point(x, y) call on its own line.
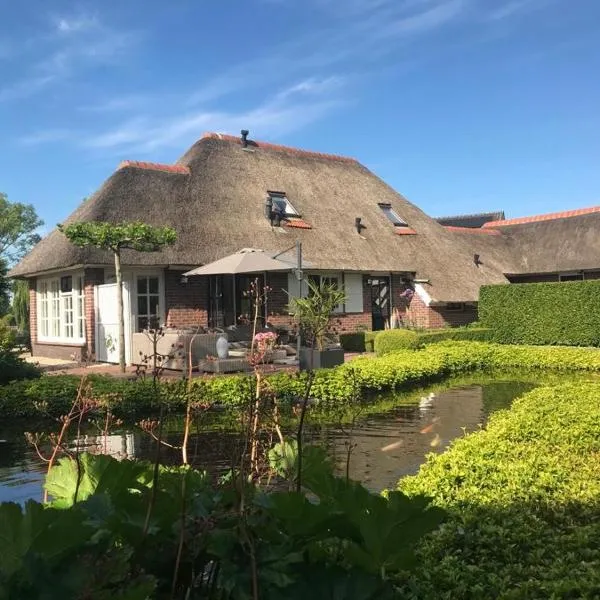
point(183, 280)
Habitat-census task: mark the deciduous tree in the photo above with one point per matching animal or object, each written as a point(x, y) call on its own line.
point(117, 237)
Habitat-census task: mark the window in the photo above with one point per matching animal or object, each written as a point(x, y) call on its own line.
point(392, 215)
point(571, 276)
point(148, 302)
point(61, 309)
point(455, 306)
point(320, 280)
point(282, 204)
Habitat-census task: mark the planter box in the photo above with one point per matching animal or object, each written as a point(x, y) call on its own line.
point(321, 359)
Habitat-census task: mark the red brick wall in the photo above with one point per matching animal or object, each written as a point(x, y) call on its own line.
point(33, 325)
point(74, 352)
point(186, 303)
point(91, 278)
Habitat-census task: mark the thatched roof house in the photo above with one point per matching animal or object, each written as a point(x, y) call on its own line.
point(352, 226)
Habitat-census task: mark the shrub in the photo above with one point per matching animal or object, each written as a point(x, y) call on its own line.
point(472, 334)
point(12, 366)
point(353, 342)
point(395, 339)
point(370, 340)
point(524, 499)
point(362, 375)
point(543, 313)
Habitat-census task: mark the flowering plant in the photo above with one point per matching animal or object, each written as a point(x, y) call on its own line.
point(265, 340)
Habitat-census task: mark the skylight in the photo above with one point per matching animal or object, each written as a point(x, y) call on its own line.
point(392, 215)
point(283, 205)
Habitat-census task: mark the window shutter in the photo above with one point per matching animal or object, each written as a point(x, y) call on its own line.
point(354, 292)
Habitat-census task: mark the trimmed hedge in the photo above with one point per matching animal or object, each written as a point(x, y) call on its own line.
point(362, 375)
point(524, 504)
point(542, 313)
point(396, 339)
point(466, 334)
point(360, 341)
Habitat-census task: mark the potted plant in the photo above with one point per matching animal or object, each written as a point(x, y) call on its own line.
point(313, 316)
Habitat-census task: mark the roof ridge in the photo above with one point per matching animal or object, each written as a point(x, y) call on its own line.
point(476, 230)
point(544, 217)
point(279, 147)
point(140, 164)
point(464, 216)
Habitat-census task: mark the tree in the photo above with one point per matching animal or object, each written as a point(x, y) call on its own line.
point(20, 304)
point(18, 223)
point(117, 237)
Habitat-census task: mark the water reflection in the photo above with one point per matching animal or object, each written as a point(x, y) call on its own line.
point(385, 446)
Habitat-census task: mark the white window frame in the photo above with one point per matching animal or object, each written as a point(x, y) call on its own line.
point(134, 300)
point(391, 214)
point(61, 313)
point(290, 211)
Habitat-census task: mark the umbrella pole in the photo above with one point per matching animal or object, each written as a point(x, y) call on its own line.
point(266, 297)
point(234, 301)
point(299, 267)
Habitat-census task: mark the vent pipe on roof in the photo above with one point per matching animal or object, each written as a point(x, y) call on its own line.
point(358, 224)
point(477, 259)
point(245, 133)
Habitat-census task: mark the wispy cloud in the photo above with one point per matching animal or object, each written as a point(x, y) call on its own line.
point(513, 8)
point(69, 46)
point(45, 137)
point(288, 110)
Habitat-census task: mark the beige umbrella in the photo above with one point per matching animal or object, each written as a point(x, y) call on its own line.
point(247, 260)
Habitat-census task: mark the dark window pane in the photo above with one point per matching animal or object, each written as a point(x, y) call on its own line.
point(142, 323)
point(153, 285)
point(66, 284)
point(142, 285)
point(153, 305)
point(142, 305)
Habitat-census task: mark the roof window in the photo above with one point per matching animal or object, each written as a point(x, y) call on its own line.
point(282, 205)
point(392, 215)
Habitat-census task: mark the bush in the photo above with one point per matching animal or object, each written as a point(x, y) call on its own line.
point(542, 313)
point(370, 340)
point(361, 376)
point(12, 366)
point(471, 334)
point(353, 342)
point(524, 499)
point(395, 339)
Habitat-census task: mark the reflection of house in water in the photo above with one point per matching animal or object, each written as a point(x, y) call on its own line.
point(119, 445)
point(392, 445)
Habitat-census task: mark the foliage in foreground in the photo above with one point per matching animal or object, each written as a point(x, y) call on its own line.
point(524, 499)
point(361, 376)
point(565, 313)
point(112, 533)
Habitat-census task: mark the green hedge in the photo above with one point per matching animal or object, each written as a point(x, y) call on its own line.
point(396, 339)
point(362, 375)
point(524, 500)
point(543, 313)
point(353, 342)
point(466, 334)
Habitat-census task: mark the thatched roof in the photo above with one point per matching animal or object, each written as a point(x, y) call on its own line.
point(568, 241)
point(214, 198)
point(474, 221)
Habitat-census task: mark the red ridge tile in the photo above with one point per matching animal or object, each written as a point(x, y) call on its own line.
point(546, 217)
point(268, 145)
point(472, 230)
point(405, 231)
point(297, 223)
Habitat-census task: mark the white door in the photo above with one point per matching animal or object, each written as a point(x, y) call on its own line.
point(107, 322)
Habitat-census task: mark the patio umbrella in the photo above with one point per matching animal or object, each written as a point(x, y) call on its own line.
point(247, 260)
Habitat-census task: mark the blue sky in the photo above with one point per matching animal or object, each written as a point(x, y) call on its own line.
point(461, 105)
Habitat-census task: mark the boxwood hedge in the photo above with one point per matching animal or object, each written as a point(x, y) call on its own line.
point(524, 500)
point(542, 313)
point(362, 375)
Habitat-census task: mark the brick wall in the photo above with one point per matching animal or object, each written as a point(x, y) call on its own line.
point(186, 303)
point(91, 278)
point(33, 325)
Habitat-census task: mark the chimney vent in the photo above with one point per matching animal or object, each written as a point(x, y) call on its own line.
point(477, 259)
point(245, 133)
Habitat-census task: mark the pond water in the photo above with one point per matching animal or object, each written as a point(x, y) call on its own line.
point(385, 445)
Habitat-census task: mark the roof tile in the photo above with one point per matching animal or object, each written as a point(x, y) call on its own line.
point(546, 217)
point(472, 230)
point(269, 146)
point(405, 231)
point(297, 223)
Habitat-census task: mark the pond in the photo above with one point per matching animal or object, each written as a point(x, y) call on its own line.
point(388, 443)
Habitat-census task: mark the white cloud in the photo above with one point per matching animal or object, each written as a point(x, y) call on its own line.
point(289, 110)
point(69, 25)
point(25, 87)
point(45, 136)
